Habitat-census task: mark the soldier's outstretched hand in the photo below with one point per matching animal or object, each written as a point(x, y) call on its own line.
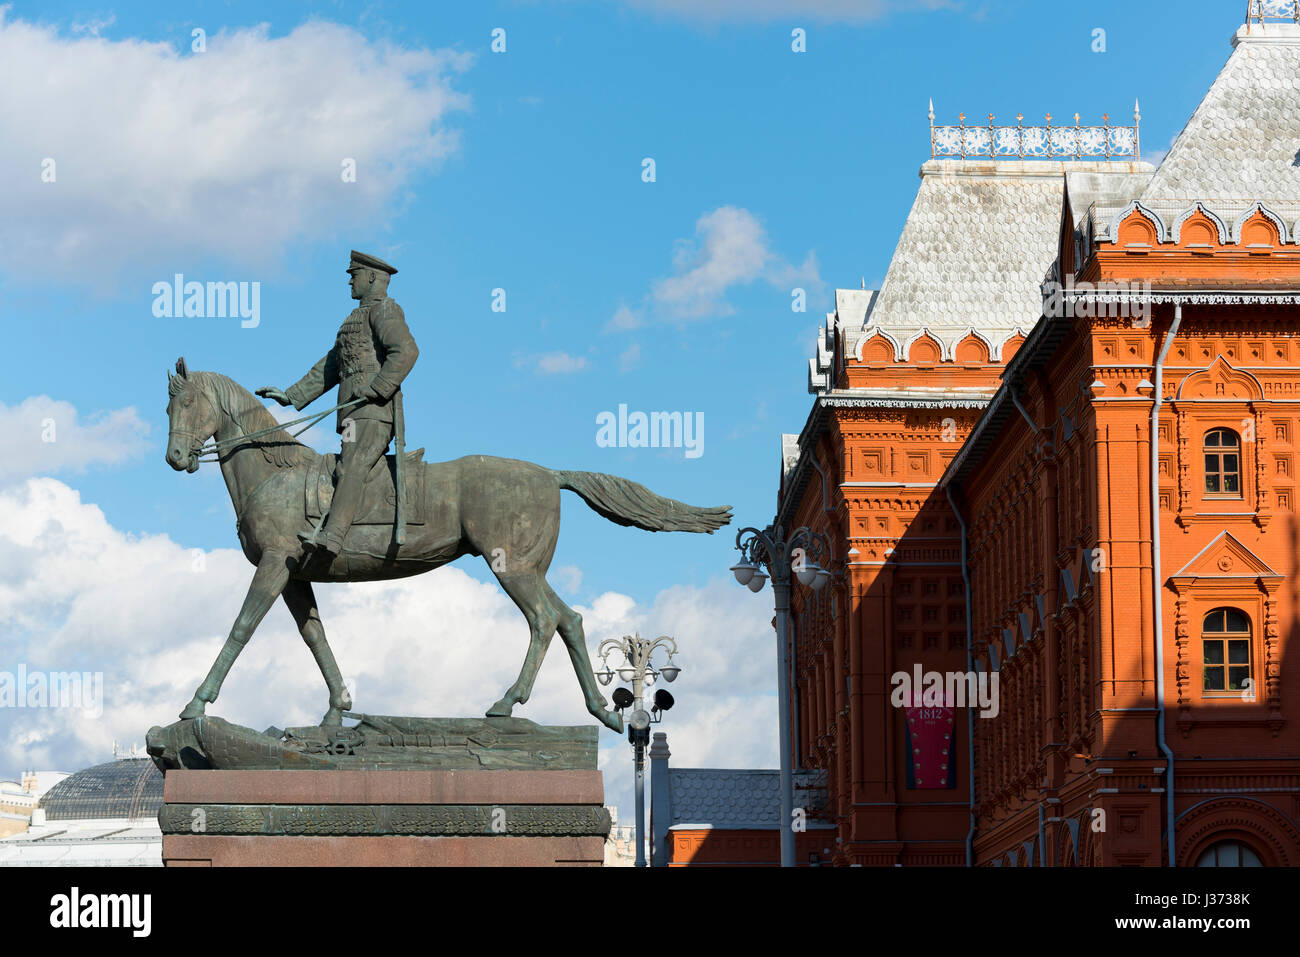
point(271, 392)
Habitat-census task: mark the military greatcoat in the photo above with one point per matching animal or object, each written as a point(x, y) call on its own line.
point(373, 345)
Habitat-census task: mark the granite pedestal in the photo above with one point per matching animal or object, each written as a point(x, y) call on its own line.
point(409, 818)
point(389, 791)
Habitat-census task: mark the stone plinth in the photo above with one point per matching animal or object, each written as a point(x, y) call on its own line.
point(417, 818)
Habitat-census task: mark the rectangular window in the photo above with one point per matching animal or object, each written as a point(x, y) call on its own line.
point(1226, 664)
point(1222, 454)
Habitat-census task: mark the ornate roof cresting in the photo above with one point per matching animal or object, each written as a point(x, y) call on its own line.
point(1037, 142)
point(1264, 11)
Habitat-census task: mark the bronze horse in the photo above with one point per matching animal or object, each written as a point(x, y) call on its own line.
point(478, 505)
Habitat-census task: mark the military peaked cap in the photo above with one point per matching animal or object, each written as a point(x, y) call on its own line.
point(366, 261)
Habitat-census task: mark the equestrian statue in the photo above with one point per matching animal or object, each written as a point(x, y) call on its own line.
point(366, 516)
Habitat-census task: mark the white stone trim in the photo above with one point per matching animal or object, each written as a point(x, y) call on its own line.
point(871, 333)
point(1017, 331)
point(972, 331)
point(1225, 235)
point(1284, 235)
point(923, 333)
point(1152, 217)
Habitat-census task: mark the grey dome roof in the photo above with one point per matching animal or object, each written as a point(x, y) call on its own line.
point(131, 788)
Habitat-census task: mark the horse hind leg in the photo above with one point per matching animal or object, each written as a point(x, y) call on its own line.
point(575, 640)
point(528, 591)
point(301, 600)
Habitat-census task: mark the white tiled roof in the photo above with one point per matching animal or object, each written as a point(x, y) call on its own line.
point(789, 454)
point(1108, 192)
point(1243, 140)
point(1241, 145)
point(973, 254)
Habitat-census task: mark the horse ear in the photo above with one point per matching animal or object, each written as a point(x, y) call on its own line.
point(180, 367)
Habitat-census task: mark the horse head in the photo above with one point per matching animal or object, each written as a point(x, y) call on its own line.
point(192, 418)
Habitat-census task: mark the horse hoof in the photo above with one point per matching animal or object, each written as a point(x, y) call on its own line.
point(333, 718)
point(500, 710)
point(194, 709)
point(612, 720)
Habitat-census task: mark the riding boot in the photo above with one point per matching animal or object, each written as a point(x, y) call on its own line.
point(356, 459)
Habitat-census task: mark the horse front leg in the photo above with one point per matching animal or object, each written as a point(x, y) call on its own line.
point(300, 598)
point(268, 582)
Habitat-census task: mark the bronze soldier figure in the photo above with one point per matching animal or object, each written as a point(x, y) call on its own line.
point(373, 353)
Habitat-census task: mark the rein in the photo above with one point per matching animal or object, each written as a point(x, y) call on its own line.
point(212, 452)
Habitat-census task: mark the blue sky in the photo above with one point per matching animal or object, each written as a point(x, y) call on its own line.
point(544, 198)
point(522, 171)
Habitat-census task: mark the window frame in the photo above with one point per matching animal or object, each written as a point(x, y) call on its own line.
point(1219, 846)
point(1219, 451)
point(1225, 664)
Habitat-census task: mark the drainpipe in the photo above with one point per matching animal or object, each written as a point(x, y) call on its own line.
point(817, 465)
point(1042, 840)
point(1157, 587)
point(970, 669)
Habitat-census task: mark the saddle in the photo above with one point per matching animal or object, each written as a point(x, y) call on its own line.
point(378, 494)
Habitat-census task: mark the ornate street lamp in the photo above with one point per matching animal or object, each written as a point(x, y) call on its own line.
point(798, 556)
point(638, 669)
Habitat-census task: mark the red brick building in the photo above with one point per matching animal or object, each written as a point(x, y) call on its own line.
point(1055, 454)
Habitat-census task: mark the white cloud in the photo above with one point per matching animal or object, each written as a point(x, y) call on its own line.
point(94, 26)
point(624, 320)
point(765, 11)
point(560, 363)
point(730, 249)
point(1156, 157)
point(162, 156)
point(630, 358)
point(151, 614)
point(44, 435)
point(566, 579)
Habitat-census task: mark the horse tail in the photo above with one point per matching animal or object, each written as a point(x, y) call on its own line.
point(624, 502)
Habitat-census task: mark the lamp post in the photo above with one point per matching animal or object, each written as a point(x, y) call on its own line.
point(798, 555)
point(640, 672)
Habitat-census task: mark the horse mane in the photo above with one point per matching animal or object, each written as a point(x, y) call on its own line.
point(279, 448)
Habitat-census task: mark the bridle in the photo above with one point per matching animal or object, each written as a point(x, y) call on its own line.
point(212, 452)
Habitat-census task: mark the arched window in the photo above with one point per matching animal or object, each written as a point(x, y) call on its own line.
point(1225, 640)
point(1222, 464)
point(1229, 854)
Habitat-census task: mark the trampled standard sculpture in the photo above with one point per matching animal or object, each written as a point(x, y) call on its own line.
point(506, 511)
